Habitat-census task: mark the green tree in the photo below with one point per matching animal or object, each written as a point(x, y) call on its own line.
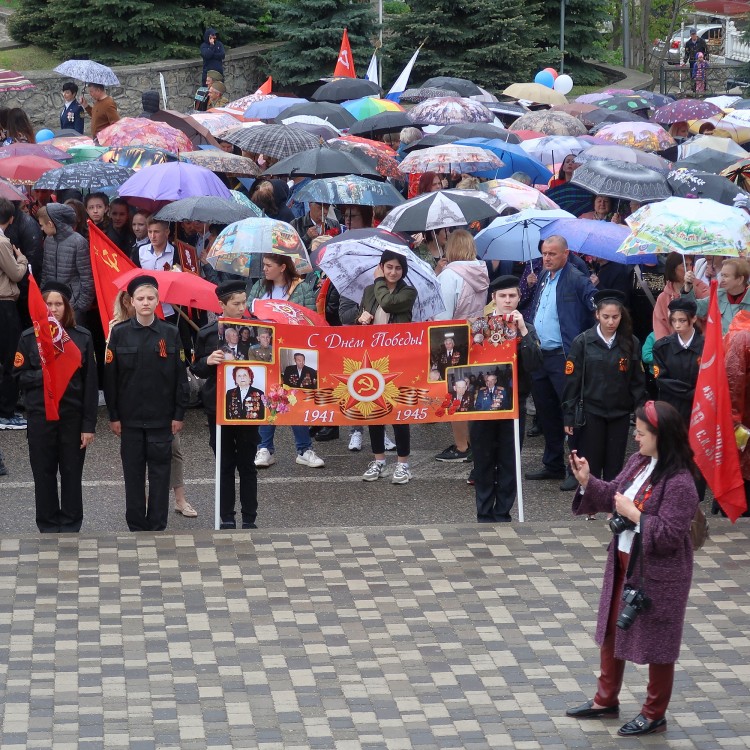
point(311, 34)
point(31, 24)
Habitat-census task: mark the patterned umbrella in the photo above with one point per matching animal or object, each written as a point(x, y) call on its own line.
point(209, 210)
point(625, 104)
point(138, 131)
point(137, 157)
point(283, 311)
point(449, 110)
point(646, 136)
point(619, 179)
point(242, 200)
point(12, 81)
point(368, 106)
point(534, 92)
point(461, 86)
point(607, 116)
point(480, 130)
point(724, 102)
point(34, 149)
point(550, 122)
point(688, 183)
point(739, 173)
point(26, 170)
point(684, 110)
point(324, 161)
point(88, 71)
point(443, 208)
point(572, 198)
point(344, 89)
point(369, 142)
point(220, 161)
point(613, 152)
point(514, 158)
point(385, 122)
point(68, 141)
point(517, 195)
point(272, 106)
point(734, 127)
point(79, 154)
point(654, 98)
point(238, 106)
point(420, 94)
point(690, 226)
point(722, 145)
point(385, 164)
point(349, 190)
point(88, 176)
point(451, 158)
point(553, 148)
point(216, 122)
point(276, 141)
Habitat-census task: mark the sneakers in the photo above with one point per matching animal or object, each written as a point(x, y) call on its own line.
point(264, 458)
point(308, 458)
point(452, 455)
point(389, 444)
point(16, 422)
point(227, 524)
point(102, 400)
point(374, 471)
point(401, 475)
point(355, 441)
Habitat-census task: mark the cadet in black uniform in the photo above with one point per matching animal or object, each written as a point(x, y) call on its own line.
point(145, 384)
point(492, 440)
point(606, 362)
point(59, 446)
point(239, 443)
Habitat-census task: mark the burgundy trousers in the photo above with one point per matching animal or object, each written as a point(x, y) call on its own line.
point(660, 676)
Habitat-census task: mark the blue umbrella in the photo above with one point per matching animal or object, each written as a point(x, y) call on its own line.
point(599, 239)
point(268, 109)
point(514, 158)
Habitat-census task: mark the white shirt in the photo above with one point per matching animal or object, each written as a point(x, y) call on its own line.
point(611, 342)
point(689, 341)
point(150, 261)
point(625, 538)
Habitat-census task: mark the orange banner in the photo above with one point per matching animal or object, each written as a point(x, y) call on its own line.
point(406, 373)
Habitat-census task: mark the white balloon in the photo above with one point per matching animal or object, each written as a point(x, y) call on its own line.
point(563, 84)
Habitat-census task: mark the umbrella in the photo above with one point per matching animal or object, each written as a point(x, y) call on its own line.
point(350, 259)
point(238, 106)
point(160, 183)
point(215, 122)
point(383, 122)
point(197, 133)
point(576, 109)
point(12, 81)
point(739, 173)
point(625, 104)
point(513, 157)
point(485, 96)
point(645, 136)
point(78, 154)
point(600, 239)
point(333, 113)
point(368, 106)
point(517, 195)
point(282, 311)
point(345, 89)
point(684, 110)
point(209, 210)
point(443, 208)
point(553, 148)
point(451, 158)
point(550, 122)
point(688, 183)
point(449, 110)
point(176, 288)
point(138, 131)
point(313, 125)
point(68, 141)
point(725, 101)
point(707, 160)
point(698, 226)
point(369, 142)
point(221, 161)
point(435, 139)
point(654, 98)
point(34, 149)
point(137, 157)
point(349, 190)
point(534, 92)
point(276, 141)
point(619, 179)
point(242, 200)
point(88, 176)
point(700, 142)
point(594, 97)
point(26, 170)
point(479, 130)
point(234, 248)
point(88, 71)
point(385, 164)
point(571, 198)
point(613, 152)
point(10, 192)
point(731, 127)
point(516, 237)
point(324, 161)
point(462, 86)
point(424, 92)
point(607, 117)
point(271, 107)
point(507, 110)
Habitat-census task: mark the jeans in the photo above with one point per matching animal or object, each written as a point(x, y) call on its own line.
point(302, 438)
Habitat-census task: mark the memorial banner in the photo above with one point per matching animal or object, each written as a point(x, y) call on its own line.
point(406, 373)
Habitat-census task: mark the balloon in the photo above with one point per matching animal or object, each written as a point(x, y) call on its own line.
point(44, 135)
point(552, 71)
point(545, 78)
point(563, 85)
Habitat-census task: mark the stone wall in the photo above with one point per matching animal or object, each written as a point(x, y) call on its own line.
point(243, 71)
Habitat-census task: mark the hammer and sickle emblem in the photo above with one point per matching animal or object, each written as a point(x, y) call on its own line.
point(366, 384)
point(110, 259)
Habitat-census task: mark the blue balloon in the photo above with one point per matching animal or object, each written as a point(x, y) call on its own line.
point(545, 78)
point(44, 135)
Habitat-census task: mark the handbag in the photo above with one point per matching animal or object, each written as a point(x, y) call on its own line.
point(579, 414)
point(699, 530)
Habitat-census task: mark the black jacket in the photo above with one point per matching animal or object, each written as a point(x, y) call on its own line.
point(692, 48)
point(71, 118)
point(206, 342)
point(212, 54)
point(676, 371)
point(26, 234)
point(145, 381)
point(530, 358)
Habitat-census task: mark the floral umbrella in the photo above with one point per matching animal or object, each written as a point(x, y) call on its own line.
point(137, 157)
point(88, 71)
point(138, 131)
point(690, 226)
point(684, 110)
point(646, 136)
point(550, 123)
point(368, 106)
point(64, 142)
point(238, 106)
point(385, 164)
point(220, 161)
point(216, 122)
point(450, 158)
point(517, 195)
point(449, 110)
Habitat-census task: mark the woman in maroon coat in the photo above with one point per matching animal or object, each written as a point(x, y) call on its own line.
point(656, 493)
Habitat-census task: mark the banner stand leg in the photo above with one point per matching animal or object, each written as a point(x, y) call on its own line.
point(517, 450)
point(217, 485)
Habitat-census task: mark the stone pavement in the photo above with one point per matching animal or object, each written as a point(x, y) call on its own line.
point(442, 637)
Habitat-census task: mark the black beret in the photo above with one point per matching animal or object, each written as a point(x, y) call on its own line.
point(612, 295)
point(144, 280)
point(228, 288)
point(684, 304)
point(505, 282)
point(58, 286)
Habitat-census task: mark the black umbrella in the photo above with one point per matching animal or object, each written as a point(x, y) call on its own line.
point(620, 179)
point(600, 117)
point(420, 94)
point(334, 113)
point(436, 139)
point(480, 130)
point(462, 86)
point(384, 122)
point(87, 176)
point(207, 209)
point(707, 160)
point(324, 161)
point(343, 89)
point(276, 141)
point(685, 182)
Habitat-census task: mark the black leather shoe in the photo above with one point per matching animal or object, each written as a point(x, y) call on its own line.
point(569, 483)
point(545, 473)
point(248, 525)
point(228, 523)
point(534, 431)
point(327, 433)
point(641, 725)
point(587, 711)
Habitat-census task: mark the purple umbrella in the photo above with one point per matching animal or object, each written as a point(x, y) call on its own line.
point(34, 149)
point(684, 110)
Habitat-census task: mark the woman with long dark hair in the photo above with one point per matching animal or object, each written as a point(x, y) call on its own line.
point(649, 565)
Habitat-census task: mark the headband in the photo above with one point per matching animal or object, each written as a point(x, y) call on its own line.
point(651, 414)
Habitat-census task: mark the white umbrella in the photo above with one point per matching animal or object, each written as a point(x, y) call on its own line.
point(88, 71)
point(444, 208)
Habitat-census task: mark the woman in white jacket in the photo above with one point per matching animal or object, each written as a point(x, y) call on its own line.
point(463, 285)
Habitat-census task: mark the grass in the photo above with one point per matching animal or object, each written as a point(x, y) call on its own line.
point(28, 58)
point(581, 90)
point(10, 3)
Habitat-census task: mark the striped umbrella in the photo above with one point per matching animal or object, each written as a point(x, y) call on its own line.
point(12, 81)
point(276, 141)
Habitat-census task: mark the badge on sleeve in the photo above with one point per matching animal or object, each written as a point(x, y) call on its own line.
point(18, 360)
point(108, 357)
point(569, 367)
point(162, 348)
point(656, 371)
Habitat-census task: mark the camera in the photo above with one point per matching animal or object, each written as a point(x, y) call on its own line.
point(636, 601)
point(618, 524)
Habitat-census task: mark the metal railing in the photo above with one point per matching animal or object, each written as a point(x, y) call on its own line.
point(675, 80)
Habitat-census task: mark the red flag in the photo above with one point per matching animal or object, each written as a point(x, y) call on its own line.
point(345, 63)
point(711, 426)
point(267, 87)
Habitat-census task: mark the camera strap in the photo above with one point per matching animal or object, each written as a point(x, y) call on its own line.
point(636, 555)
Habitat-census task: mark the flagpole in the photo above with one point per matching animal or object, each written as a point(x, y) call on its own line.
point(380, 42)
point(217, 481)
point(517, 451)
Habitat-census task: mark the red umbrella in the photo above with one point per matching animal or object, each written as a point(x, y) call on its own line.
point(281, 311)
point(26, 170)
point(177, 288)
point(34, 149)
point(10, 192)
point(527, 135)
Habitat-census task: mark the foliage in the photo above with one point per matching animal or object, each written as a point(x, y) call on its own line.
point(395, 7)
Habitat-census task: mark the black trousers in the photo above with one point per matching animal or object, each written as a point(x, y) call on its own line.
point(92, 320)
point(146, 450)
point(547, 385)
point(603, 442)
point(495, 466)
point(401, 433)
point(238, 447)
point(55, 447)
point(10, 332)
